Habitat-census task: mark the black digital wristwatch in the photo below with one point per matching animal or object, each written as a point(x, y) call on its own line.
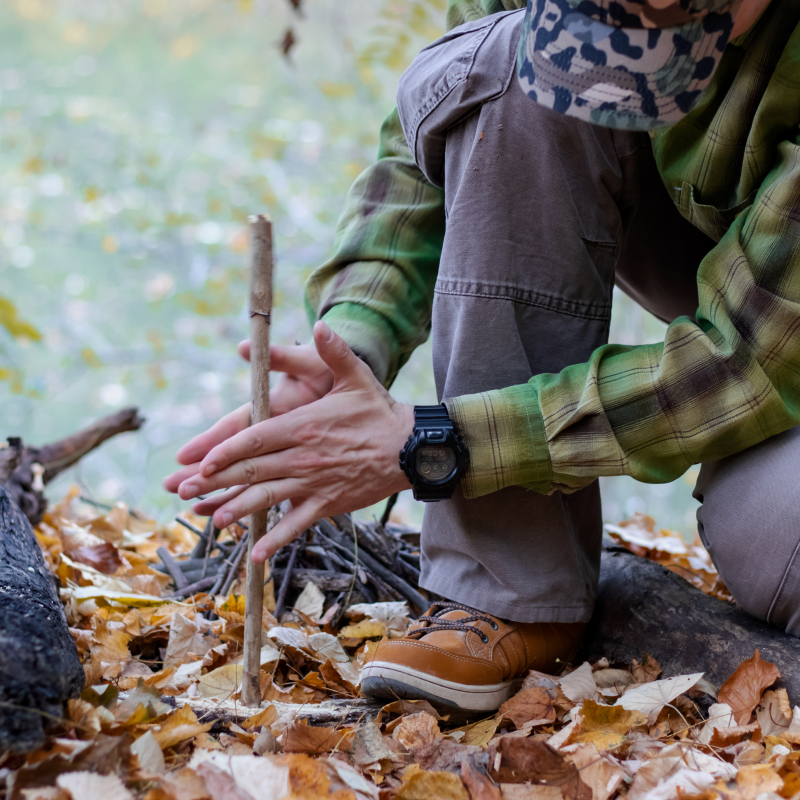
point(434, 458)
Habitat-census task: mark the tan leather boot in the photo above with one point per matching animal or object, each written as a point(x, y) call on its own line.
point(459, 657)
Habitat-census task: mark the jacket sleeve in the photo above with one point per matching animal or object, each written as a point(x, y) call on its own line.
point(718, 384)
point(377, 289)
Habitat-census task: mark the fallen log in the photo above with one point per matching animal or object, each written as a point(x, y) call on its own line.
point(39, 664)
point(642, 607)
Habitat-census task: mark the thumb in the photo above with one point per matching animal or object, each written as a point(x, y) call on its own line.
point(336, 353)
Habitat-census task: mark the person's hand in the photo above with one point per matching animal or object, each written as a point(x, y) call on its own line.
point(305, 376)
point(336, 454)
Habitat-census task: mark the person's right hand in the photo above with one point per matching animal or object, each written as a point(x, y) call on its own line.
point(305, 376)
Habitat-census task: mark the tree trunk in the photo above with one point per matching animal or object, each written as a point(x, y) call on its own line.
point(642, 607)
point(39, 664)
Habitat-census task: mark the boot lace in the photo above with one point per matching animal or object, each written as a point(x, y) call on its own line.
point(434, 623)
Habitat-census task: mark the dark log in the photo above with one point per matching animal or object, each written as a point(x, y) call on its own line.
point(23, 479)
point(642, 607)
point(39, 665)
point(327, 580)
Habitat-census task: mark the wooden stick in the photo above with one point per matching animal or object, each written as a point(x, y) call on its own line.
point(260, 310)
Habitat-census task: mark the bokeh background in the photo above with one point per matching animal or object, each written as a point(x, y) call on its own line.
point(135, 138)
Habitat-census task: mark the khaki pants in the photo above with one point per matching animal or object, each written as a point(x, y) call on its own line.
point(545, 213)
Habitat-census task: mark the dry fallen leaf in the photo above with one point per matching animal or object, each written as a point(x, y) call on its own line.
point(529, 704)
point(647, 671)
point(181, 725)
point(90, 786)
point(605, 727)
point(416, 730)
point(518, 760)
point(300, 737)
point(601, 776)
point(433, 785)
point(579, 685)
point(650, 698)
point(743, 690)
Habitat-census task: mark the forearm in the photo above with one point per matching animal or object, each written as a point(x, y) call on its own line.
point(714, 387)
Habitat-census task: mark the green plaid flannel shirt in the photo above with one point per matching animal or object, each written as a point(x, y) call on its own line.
point(717, 384)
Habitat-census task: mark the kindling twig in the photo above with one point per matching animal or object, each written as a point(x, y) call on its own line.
point(178, 578)
point(287, 575)
point(260, 311)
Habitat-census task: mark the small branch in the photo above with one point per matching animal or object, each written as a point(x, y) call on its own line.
point(194, 588)
point(279, 603)
point(178, 578)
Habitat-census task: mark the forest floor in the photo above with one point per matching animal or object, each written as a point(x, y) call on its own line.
point(161, 716)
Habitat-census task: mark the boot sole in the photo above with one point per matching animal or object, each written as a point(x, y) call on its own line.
point(382, 679)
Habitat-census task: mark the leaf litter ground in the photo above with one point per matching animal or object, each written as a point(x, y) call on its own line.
point(161, 715)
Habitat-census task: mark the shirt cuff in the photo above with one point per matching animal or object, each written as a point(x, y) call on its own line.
point(504, 433)
point(369, 336)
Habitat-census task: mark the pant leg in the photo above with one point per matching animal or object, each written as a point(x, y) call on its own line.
point(750, 524)
point(534, 230)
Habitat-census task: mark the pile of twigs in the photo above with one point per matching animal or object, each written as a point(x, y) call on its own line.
point(350, 561)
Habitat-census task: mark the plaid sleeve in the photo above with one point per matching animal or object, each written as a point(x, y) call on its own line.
point(718, 384)
point(377, 289)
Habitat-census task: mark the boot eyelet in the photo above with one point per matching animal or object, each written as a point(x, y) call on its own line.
point(484, 638)
point(494, 625)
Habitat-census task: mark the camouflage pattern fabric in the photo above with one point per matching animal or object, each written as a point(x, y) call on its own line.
point(611, 67)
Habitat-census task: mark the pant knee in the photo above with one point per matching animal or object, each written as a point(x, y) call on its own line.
point(749, 524)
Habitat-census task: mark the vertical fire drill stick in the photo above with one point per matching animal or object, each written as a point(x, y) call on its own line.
point(260, 309)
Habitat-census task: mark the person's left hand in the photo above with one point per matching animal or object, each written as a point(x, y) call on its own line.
point(334, 455)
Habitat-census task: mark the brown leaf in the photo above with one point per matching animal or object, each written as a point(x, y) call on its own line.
point(103, 557)
point(743, 690)
point(265, 717)
point(752, 781)
point(647, 671)
point(88, 786)
point(529, 704)
point(369, 745)
point(479, 733)
point(300, 737)
point(416, 730)
point(597, 772)
point(725, 737)
point(429, 785)
point(412, 707)
point(529, 791)
point(478, 784)
point(443, 755)
point(523, 760)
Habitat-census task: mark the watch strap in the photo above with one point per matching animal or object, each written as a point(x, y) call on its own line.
point(428, 417)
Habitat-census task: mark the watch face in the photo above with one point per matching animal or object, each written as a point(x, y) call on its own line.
point(435, 464)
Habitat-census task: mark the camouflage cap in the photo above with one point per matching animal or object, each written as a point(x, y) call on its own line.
point(622, 63)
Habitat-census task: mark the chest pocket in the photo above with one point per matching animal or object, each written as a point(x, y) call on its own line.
point(712, 221)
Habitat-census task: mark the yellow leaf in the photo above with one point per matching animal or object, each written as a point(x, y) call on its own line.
point(479, 733)
point(180, 726)
point(428, 785)
point(366, 629)
point(606, 726)
point(263, 718)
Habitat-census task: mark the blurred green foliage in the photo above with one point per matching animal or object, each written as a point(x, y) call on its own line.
point(135, 139)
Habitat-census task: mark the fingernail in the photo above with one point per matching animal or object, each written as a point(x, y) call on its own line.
point(327, 333)
point(209, 469)
point(190, 490)
point(227, 518)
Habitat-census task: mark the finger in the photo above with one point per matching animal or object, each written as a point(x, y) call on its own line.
point(172, 482)
point(292, 524)
point(345, 365)
point(254, 498)
point(207, 507)
point(228, 426)
point(244, 349)
point(248, 470)
point(300, 362)
point(257, 440)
